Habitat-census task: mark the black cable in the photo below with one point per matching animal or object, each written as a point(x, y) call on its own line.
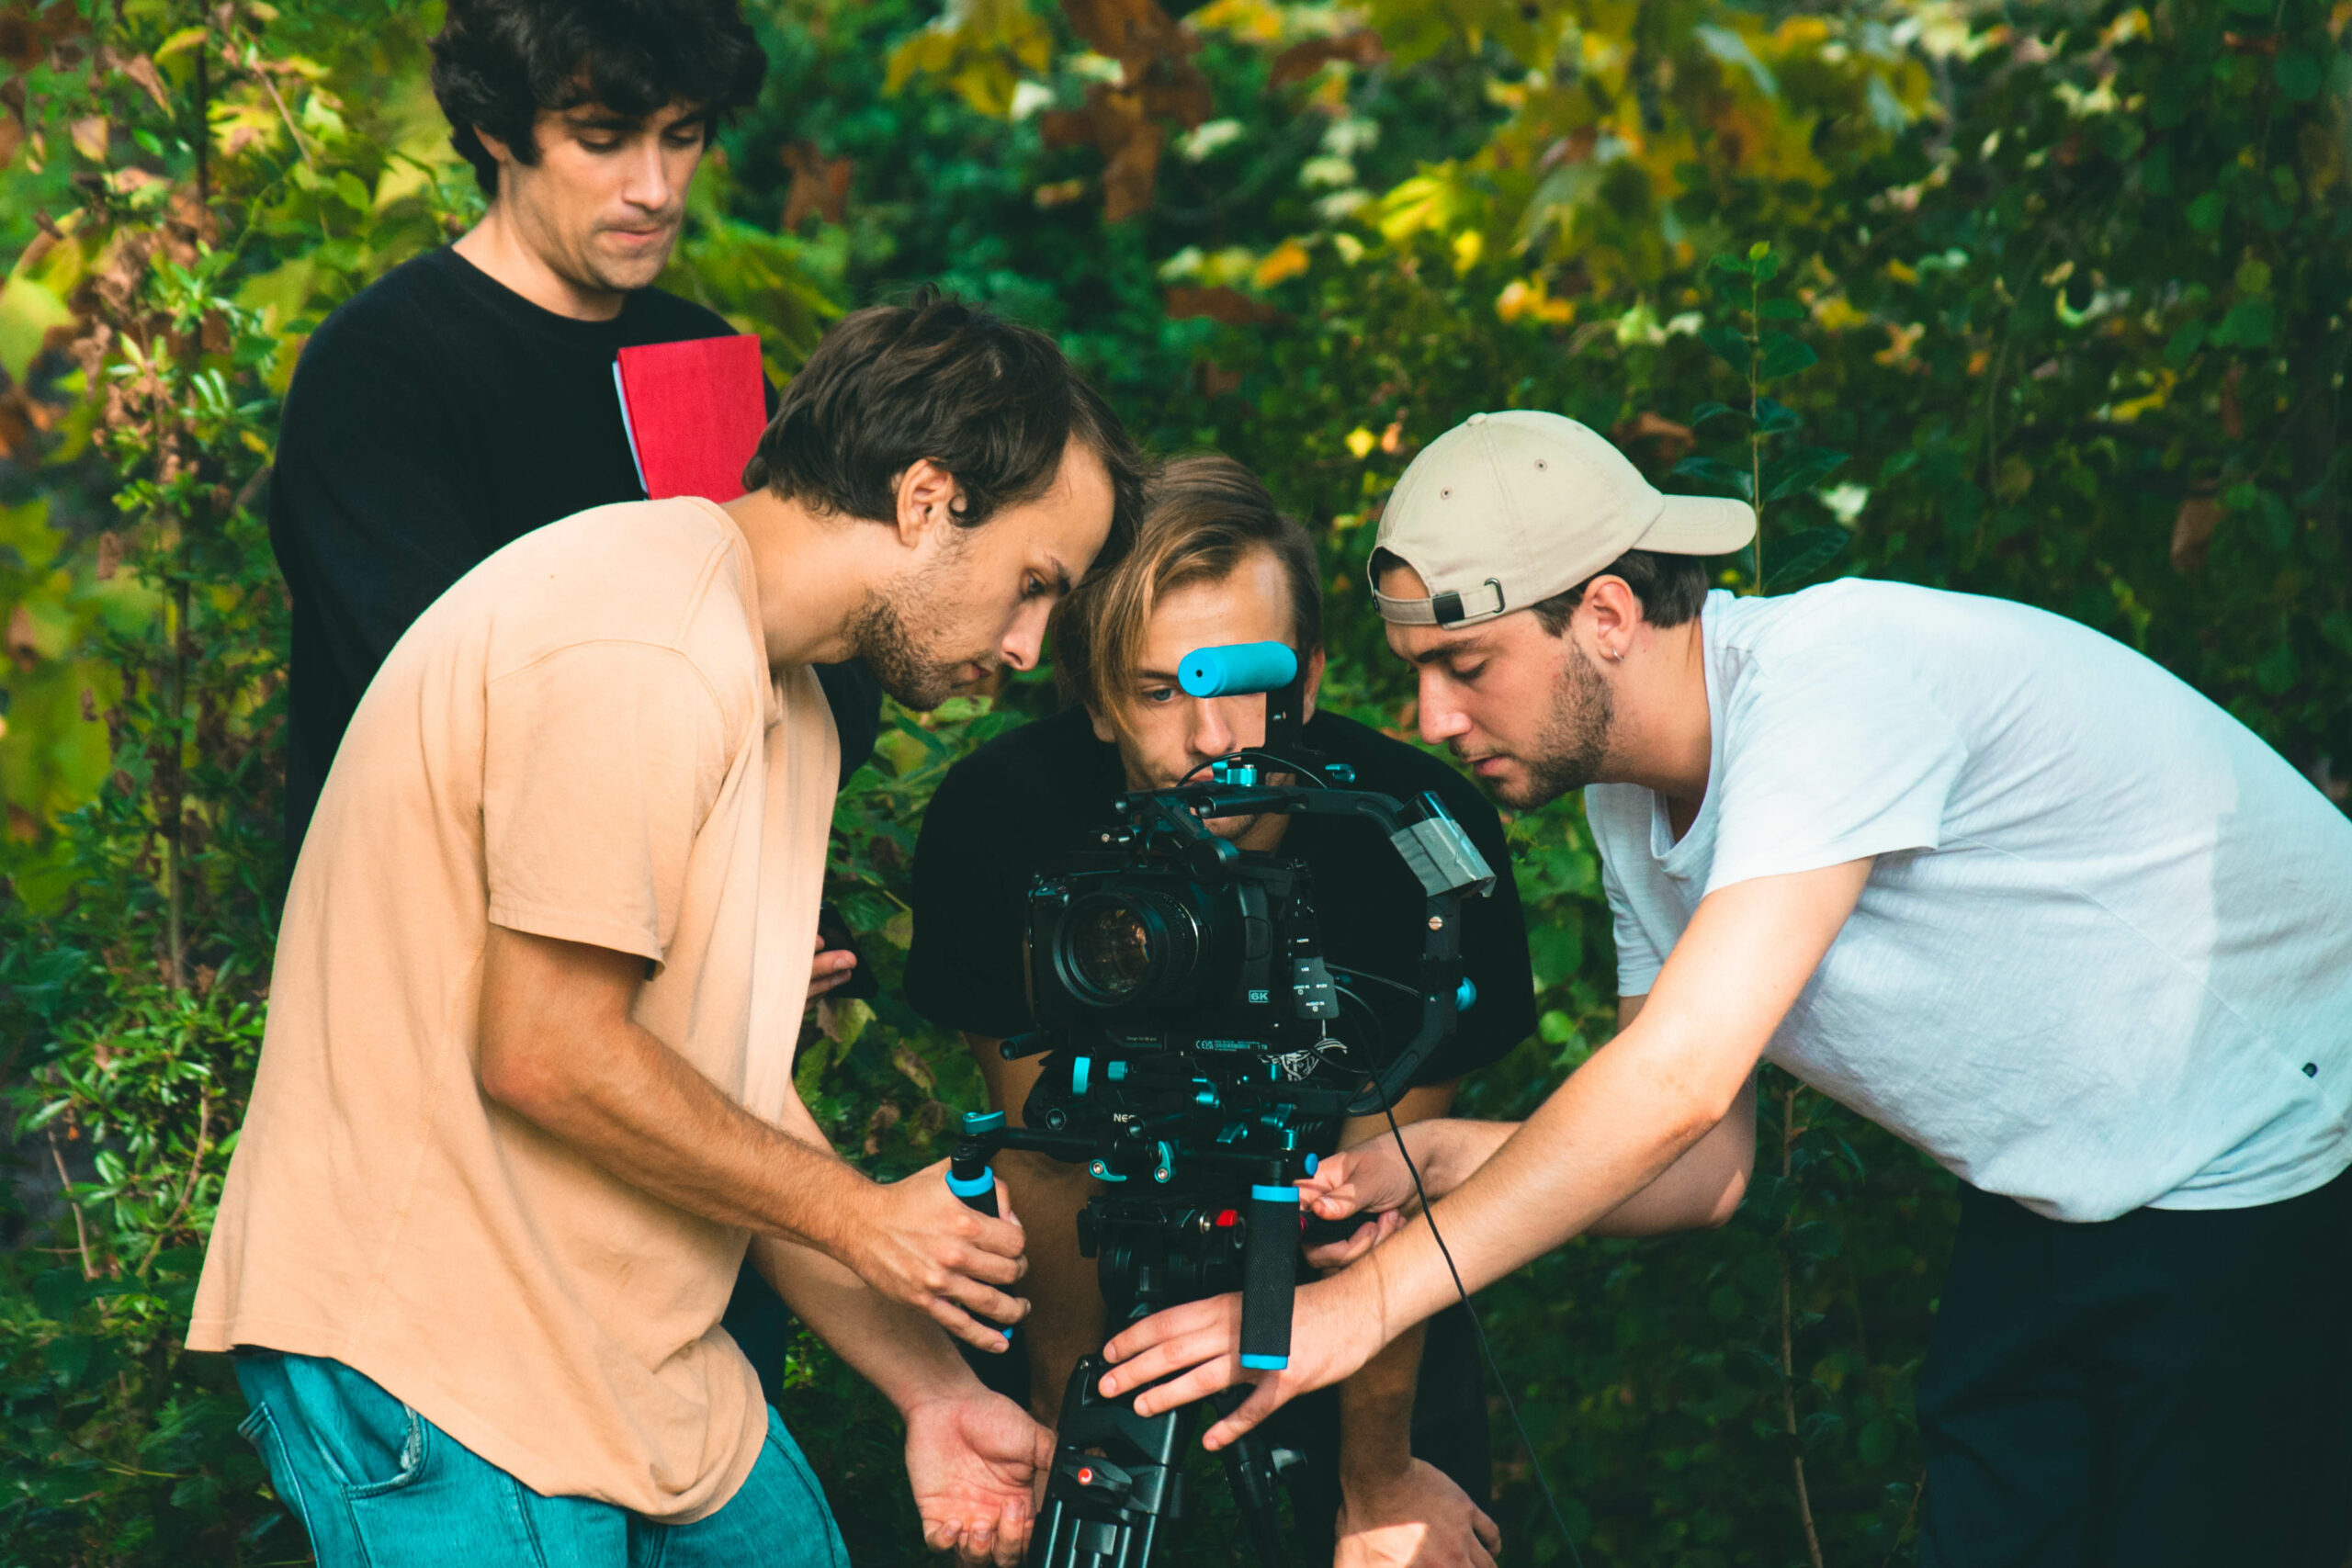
point(1533, 1460)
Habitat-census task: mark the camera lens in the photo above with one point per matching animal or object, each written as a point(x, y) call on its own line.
point(1110, 948)
point(1119, 948)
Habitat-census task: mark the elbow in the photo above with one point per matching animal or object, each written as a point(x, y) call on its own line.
point(518, 1077)
point(1727, 1200)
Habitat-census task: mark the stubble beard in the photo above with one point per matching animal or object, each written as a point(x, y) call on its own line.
point(905, 667)
point(1574, 741)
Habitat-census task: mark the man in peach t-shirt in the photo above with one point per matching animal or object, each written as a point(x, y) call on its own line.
point(525, 1096)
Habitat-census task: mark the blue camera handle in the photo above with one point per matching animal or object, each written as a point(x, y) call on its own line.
point(1237, 669)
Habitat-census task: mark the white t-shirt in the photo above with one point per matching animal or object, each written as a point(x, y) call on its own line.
point(2104, 958)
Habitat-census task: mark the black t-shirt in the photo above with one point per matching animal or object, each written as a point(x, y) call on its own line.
point(434, 418)
point(1028, 798)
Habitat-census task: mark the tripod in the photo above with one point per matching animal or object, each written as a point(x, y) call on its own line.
point(1116, 1476)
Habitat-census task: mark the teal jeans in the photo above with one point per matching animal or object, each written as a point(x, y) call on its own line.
point(377, 1485)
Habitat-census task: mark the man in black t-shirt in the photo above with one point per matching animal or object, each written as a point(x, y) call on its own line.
point(1215, 563)
point(467, 395)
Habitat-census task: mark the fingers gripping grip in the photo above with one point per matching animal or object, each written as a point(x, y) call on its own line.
point(1269, 1276)
point(971, 1179)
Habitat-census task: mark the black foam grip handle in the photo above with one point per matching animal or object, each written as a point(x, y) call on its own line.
point(1269, 1276)
point(974, 1184)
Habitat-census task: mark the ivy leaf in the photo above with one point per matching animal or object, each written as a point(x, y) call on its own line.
point(2205, 212)
point(1800, 471)
point(1708, 411)
point(1780, 311)
point(1773, 415)
point(1715, 471)
point(1784, 355)
point(1803, 554)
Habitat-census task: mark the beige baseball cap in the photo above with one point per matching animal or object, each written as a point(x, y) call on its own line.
point(1508, 509)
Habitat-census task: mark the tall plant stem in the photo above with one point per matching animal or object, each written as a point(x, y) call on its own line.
point(1755, 435)
point(1788, 1349)
point(65, 1187)
point(176, 793)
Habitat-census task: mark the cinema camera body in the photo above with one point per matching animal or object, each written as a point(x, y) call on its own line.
point(1199, 1046)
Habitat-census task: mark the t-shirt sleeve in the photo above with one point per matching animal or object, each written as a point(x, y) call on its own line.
point(1829, 757)
point(970, 905)
point(1494, 957)
point(601, 761)
point(1638, 959)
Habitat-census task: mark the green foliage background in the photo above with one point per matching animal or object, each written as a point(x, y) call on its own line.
point(2042, 300)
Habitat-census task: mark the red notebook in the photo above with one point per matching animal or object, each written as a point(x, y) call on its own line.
point(694, 412)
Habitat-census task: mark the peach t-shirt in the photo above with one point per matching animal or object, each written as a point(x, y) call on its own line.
point(581, 739)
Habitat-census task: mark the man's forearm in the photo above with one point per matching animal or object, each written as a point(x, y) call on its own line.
point(642, 1111)
point(897, 1349)
point(1537, 1189)
point(1448, 1151)
point(1376, 1414)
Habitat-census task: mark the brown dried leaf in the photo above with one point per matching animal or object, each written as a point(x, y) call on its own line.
point(1301, 61)
point(1129, 31)
point(1212, 380)
point(2192, 530)
point(90, 136)
point(141, 70)
point(819, 186)
point(110, 555)
point(21, 646)
point(913, 1068)
point(1674, 440)
point(1218, 304)
point(1113, 121)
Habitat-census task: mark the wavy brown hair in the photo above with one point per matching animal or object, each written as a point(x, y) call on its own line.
point(1202, 516)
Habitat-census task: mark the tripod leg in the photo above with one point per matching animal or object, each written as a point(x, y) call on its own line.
point(1249, 1471)
point(1114, 1479)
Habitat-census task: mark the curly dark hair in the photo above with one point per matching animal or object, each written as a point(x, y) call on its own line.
point(993, 402)
point(497, 64)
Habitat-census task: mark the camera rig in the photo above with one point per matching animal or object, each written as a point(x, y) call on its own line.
point(1199, 1048)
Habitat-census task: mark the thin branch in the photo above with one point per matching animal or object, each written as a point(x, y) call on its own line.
point(187, 1188)
point(1789, 1131)
point(65, 1190)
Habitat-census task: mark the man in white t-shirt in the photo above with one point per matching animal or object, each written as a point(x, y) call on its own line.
point(1989, 878)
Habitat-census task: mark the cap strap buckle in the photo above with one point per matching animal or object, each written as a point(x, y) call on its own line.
point(1449, 608)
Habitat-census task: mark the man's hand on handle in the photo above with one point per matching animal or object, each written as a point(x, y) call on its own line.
point(917, 1242)
point(974, 1461)
point(1418, 1518)
point(1332, 1333)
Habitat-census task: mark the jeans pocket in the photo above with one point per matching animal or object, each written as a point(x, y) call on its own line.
point(411, 1464)
point(260, 1429)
